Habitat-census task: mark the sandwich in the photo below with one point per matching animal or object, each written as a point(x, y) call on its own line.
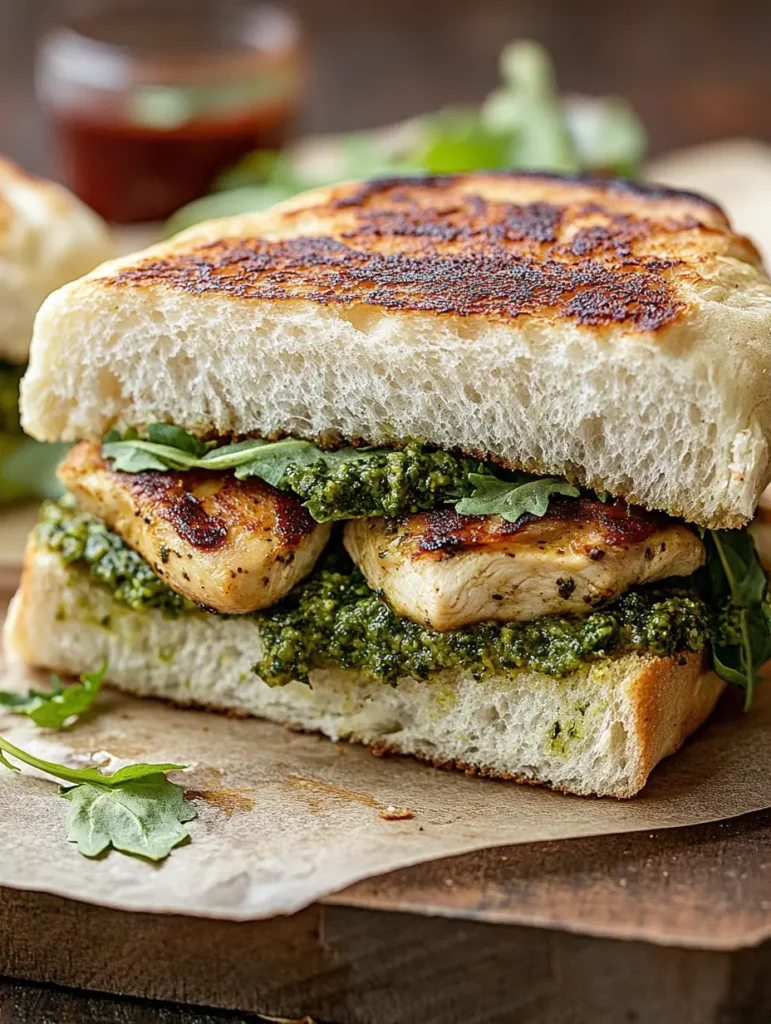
point(457, 467)
point(47, 237)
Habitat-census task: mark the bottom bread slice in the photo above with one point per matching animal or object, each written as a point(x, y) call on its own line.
point(599, 730)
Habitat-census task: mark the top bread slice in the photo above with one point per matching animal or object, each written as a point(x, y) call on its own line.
point(617, 334)
point(47, 237)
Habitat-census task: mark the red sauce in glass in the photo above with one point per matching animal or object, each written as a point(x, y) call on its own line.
point(130, 173)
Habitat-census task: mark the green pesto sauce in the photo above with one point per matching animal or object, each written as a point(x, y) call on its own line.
point(82, 539)
point(334, 618)
point(386, 483)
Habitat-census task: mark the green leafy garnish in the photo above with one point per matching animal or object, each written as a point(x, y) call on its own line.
point(176, 437)
point(527, 108)
point(171, 448)
point(456, 141)
point(737, 578)
point(136, 810)
point(51, 709)
point(390, 482)
point(512, 499)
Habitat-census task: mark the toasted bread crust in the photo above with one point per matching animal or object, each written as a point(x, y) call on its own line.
point(496, 246)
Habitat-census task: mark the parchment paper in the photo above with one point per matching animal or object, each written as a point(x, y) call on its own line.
point(285, 819)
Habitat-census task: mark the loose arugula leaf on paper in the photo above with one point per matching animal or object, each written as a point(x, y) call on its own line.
point(145, 818)
point(53, 708)
point(136, 811)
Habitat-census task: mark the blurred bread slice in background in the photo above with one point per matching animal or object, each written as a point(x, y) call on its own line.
point(47, 238)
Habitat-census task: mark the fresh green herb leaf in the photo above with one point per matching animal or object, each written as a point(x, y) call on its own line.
point(176, 437)
point(456, 142)
point(260, 167)
point(138, 456)
point(512, 499)
point(51, 709)
point(737, 578)
point(145, 817)
point(528, 107)
point(77, 775)
point(172, 449)
point(136, 810)
point(269, 461)
point(126, 458)
point(250, 199)
point(607, 134)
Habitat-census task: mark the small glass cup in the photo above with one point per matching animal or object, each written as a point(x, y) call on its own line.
point(152, 99)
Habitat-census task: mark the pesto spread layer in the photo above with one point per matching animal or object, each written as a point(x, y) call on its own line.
point(383, 483)
point(334, 618)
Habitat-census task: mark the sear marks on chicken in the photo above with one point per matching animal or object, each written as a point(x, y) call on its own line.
point(449, 570)
point(232, 546)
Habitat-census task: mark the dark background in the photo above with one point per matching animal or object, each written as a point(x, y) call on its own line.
point(694, 69)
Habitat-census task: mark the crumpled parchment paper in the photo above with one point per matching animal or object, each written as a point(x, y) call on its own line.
point(285, 819)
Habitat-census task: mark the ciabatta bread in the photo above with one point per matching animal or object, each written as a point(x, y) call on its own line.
point(598, 731)
point(616, 334)
point(47, 237)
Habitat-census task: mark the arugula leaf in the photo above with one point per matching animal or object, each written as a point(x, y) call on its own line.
point(512, 499)
point(250, 199)
point(176, 437)
point(77, 775)
point(528, 107)
point(145, 817)
point(136, 810)
point(138, 456)
point(51, 709)
point(173, 448)
point(266, 459)
point(456, 142)
point(737, 578)
point(606, 133)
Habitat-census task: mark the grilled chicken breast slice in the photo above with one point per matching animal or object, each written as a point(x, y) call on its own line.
point(448, 570)
point(232, 546)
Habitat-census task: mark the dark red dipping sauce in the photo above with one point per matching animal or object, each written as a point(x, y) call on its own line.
point(129, 173)
point(150, 100)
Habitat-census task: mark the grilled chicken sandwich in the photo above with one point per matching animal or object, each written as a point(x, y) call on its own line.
point(457, 467)
point(47, 237)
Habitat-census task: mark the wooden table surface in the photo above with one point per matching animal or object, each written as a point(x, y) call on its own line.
point(658, 928)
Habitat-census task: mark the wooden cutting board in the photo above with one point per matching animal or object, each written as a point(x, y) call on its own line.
point(655, 928)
